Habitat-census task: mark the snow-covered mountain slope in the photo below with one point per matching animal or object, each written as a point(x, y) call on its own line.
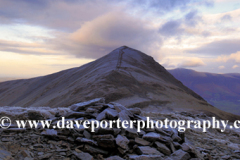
point(125, 75)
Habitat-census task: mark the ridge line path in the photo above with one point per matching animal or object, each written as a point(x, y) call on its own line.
point(120, 58)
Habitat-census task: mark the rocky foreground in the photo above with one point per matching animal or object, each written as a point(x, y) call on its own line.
point(111, 144)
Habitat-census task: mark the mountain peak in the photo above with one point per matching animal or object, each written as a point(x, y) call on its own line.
point(125, 75)
point(127, 56)
point(124, 58)
point(127, 50)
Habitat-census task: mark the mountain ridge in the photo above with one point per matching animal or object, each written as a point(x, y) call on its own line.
point(220, 90)
point(134, 80)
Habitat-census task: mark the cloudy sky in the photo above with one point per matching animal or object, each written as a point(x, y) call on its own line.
point(39, 37)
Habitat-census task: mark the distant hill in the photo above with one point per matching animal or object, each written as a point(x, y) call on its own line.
point(3, 79)
point(125, 76)
point(220, 90)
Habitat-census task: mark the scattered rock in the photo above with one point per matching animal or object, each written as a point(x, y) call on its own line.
point(136, 111)
point(122, 142)
point(34, 115)
point(91, 110)
point(111, 114)
point(141, 142)
point(114, 158)
point(76, 114)
point(185, 147)
point(151, 136)
point(145, 157)
point(94, 150)
point(105, 143)
point(5, 155)
point(163, 148)
point(86, 134)
point(83, 156)
point(83, 105)
point(49, 132)
point(149, 150)
point(124, 116)
point(180, 155)
point(118, 107)
point(45, 156)
point(87, 141)
point(101, 116)
point(137, 150)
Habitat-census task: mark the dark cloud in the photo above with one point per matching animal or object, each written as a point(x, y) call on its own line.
point(226, 17)
point(171, 28)
point(224, 47)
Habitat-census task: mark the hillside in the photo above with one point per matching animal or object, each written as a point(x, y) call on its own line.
point(125, 75)
point(220, 90)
